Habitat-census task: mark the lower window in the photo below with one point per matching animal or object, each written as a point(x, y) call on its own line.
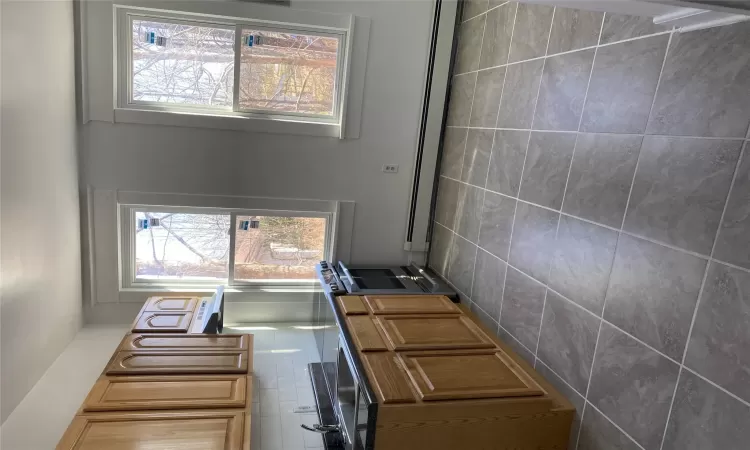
point(187, 246)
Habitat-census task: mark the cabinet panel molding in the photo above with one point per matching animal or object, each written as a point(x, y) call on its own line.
point(410, 304)
point(163, 322)
point(171, 304)
point(194, 430)
point(433, 332)
point(167, 392)
point(453, 375)
point(165, 363)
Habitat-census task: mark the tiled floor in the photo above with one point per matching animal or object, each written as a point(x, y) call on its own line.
point(281, 382)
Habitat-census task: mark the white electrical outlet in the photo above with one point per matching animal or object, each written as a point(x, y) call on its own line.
point(390, 168)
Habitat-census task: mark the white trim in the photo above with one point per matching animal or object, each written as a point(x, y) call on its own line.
point(226, 121)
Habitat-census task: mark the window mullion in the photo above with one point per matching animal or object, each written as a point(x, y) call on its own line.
point(237, 56)
point(232, 241)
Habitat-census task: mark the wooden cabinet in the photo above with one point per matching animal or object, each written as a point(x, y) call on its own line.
point(186, 342)
point(171, 304)
point(352, 305)
point(194, 430)
point(410, 304)
point(163, 322)
point(453, 375)
point(387, 378)
point(433, 332)
point(168, 392)
point(365, 334)
point(166, 363)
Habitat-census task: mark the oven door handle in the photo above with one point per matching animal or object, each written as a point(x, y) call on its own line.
point(355, 286)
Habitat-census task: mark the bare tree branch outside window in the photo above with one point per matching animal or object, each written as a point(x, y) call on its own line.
point(196, 247)
point(282, 72)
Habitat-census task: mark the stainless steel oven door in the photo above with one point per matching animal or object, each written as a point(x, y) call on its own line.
point(347, 401)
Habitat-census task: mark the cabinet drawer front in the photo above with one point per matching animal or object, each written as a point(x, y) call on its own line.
point(365, 334)
point(171, 304)
point(433, 332)
point(453, 375)
point(352, 305)
point(195, 430)
point(410, 304)
point(167, 392)
point(162, 363)
point(184, 342)
point(163, 322)
point(388, 379)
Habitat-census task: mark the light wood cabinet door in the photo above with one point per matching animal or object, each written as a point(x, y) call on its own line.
point(410, 304)
point(365, 334)
point(146, 393)
point(453, 375)
point(352, 305)
point(171, 304)
point(434, 332)
point(194, 430)
point(166, 363)
point(163, 322)
point(388, 379)
point(186, 342)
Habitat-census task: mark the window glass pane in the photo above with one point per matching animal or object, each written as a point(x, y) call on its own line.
point(287, 72)
point(280, 248)
point(192, 247)
point(182, 64)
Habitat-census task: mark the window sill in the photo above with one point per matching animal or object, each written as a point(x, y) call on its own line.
point(234, 123)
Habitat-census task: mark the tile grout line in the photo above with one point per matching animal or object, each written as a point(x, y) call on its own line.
point(519, 342)
point(723, 390)
point(608, 44)
point(526, 153)
point(673, 136)
point(484, 12)
point(466, 146)
point(561, 378)
point(565, 189)
point(528, 144)
point(588, 403)
point(489, 164)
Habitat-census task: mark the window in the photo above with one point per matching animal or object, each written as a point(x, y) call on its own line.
point(279, 249)
point(201, 246)
point(213, 65)
point(177, 246)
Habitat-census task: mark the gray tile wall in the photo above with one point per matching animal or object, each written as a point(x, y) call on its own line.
point(594, 209)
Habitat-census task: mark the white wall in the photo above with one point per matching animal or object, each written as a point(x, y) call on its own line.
point(40, 257)
point(155, 158)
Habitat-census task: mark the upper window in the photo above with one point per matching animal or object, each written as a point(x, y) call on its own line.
point(240, 67)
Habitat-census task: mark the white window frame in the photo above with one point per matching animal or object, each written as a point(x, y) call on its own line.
point(233, 118)
point(127, 213)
